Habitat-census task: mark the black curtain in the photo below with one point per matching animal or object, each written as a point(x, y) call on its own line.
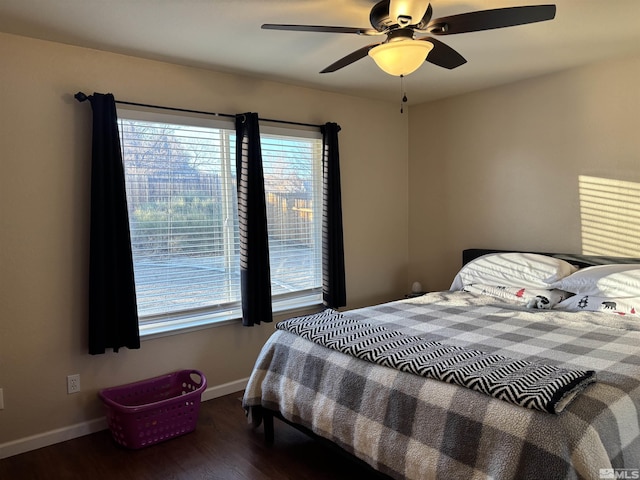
point(255, 275)
point(113, 314)
point(333, 276)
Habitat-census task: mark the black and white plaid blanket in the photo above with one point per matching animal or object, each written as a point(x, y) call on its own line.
point(531, 385)
point(413, 427)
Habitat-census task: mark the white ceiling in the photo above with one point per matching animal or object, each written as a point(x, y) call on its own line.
point(225, 35)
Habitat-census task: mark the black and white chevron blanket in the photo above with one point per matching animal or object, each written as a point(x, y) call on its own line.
point(540, 387)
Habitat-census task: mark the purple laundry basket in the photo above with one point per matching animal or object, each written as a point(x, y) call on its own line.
point(154, 410)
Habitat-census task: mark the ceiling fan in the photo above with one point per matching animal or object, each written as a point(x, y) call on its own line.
point(401, 20)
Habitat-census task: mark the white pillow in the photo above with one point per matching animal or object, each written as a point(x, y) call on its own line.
point(513, 269)
point(593, 303)
point(619, 280)
point(530, 297)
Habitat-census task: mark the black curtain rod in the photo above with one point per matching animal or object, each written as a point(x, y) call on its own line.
point(81, 97)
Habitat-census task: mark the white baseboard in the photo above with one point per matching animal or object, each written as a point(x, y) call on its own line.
point(224, 389)
point(63, 434)
point(23, 445)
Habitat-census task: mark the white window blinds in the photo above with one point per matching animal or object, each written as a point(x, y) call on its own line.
point(181, 193)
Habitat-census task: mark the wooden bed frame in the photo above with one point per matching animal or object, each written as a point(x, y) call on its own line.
point(266, 416)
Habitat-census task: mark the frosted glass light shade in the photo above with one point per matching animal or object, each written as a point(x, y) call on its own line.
point(401, 57)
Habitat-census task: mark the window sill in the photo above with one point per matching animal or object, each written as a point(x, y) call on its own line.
point(189, 323)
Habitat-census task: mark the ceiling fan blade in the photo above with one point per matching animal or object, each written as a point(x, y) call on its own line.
point(443, 55)
point(320, 28)
point(422, 25)
point(490, 19)
point(349, 59)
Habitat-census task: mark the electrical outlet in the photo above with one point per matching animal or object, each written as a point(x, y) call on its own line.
point(73, 383)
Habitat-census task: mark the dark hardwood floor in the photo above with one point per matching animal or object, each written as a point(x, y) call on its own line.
point(223, 446)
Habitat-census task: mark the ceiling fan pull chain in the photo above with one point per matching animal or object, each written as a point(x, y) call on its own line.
point(403, 93)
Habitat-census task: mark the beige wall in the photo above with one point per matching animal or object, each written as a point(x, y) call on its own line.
point(44, 194)
point(500, 168)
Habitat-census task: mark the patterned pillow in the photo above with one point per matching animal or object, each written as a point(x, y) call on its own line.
point(530, 297)
point(594, 303)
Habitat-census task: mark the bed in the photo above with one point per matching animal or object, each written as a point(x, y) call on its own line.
point(573, 315)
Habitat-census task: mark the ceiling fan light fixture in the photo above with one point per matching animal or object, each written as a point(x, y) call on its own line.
point(401, 57)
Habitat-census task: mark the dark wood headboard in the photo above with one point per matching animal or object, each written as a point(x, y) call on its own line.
point(573, 258)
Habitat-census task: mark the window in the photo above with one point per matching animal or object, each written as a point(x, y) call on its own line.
point(181, 193)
